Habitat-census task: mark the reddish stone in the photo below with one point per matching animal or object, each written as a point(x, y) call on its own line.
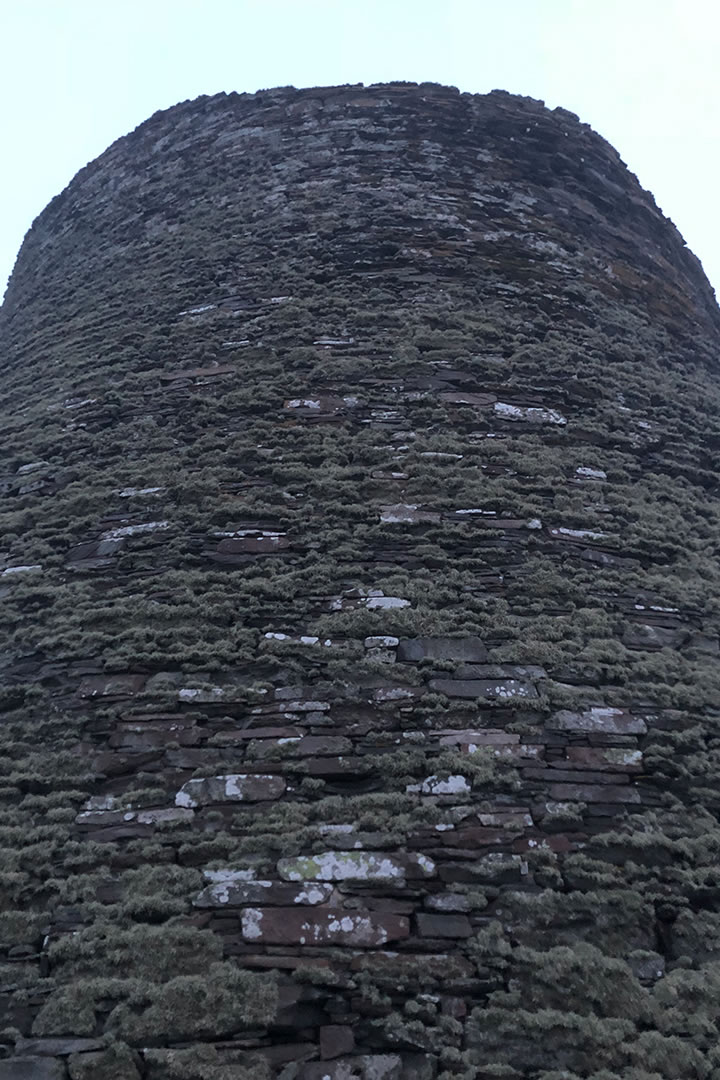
point(620, 759)
point(333, 766)
point(547, 842)
point(321, 926)
point(336, 1039)
point(453, 1006)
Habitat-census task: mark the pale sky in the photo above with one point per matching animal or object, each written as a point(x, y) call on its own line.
point(77, 74)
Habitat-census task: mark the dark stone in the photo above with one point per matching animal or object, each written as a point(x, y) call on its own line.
point(469, 649)
point(321, 926)
point(495, 689)
point(443, 926)
point(56, 1047)
point(336, 1039)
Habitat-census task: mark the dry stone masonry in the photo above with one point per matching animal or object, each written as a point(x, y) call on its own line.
point(360, 605)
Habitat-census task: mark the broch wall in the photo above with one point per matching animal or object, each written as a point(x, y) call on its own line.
point(359, 595)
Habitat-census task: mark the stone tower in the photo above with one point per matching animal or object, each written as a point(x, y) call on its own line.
point(359, 600)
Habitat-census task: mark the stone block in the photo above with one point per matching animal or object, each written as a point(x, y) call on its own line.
point(447, 902)
point(336, 1039)
point(321, 926)
point(469, 649)
point(601, 719)
point(234, 787)
point(56, 1047)
point(492, 689)
point(225, 894)
point(355, 866)
point(617, 758)
point(443, 926)
point(495, 868)
point(323, 745)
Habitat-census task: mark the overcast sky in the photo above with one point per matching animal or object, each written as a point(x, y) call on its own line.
point(77, 74)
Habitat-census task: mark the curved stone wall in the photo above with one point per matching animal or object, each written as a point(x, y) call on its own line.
point(359, 597)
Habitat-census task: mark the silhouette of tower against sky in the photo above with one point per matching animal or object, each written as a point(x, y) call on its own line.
point(359, 605)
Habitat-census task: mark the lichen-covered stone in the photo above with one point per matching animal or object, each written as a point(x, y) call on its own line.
point(355, 866)
point(234, 787)
point(321, 926)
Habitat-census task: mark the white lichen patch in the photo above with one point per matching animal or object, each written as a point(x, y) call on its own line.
point(130, 492)
point(229, 876)
point(135, 530)
point(251, 920)
point(433, 785)
point(586, 473)
point(530, 415)
point(352, 866)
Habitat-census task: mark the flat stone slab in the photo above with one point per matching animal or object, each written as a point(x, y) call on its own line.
point(322, 745)
point(609, 757)
point(458, 398)
point(476, 737)
point(594, 793)
point(411, 650)
point(56, 1047)
point(606, 720)
point(355, 866)
point(223, 894)
point(502, 689)
point(234, 787)
point(321, 926)
point(443, 926)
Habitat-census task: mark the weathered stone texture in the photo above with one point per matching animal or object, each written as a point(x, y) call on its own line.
point(359, 604)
